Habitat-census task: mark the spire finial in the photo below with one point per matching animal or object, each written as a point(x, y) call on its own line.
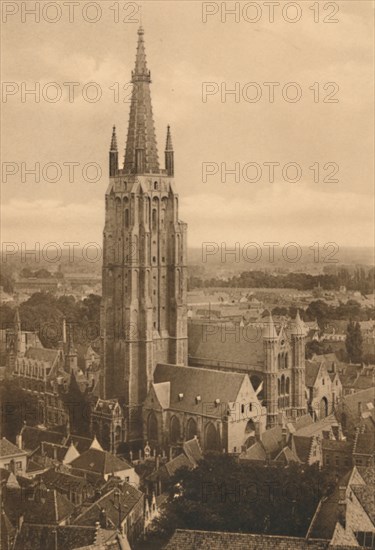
point(114, 139)
point(168, 145)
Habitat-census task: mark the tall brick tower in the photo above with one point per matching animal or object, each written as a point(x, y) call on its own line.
point(144, 314)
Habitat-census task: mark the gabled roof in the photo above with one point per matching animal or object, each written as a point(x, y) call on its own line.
point(63, 481)
point(100, 462)
point(286, 456)
point(191, 382)
point(163, 393)
point(255, 452)
point(33, 436)
point(129, 497)
point(311, 373)
point(272, 440)
point(8, 449)
point(193, 450)
point(301, 447)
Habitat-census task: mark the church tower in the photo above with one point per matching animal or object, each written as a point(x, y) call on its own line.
point(144, 314)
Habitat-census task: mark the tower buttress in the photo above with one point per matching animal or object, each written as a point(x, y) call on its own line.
point(270, 369)
point(298, 334)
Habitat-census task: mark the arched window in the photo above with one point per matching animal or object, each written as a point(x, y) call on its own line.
point(126, 218)
point(174, 429)
point(287, 386)
point(211, 438)
point(279, 387)
point(286, 359)
point(152, 427)
point(154, 219)
point(191, 429)
point(283, 385)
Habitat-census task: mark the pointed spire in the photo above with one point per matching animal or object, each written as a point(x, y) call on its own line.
point(168, 145)
point(169, 154)
point(113, 140)
point(298, 327)
point(269, 330)
point(141, 130)
point(113, 155)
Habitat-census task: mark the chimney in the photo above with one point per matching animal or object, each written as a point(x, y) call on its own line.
point(19, 440)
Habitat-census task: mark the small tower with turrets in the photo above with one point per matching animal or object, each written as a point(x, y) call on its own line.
point(270, 371)
point(298, 335)
point(169, 154)
point(113, 155)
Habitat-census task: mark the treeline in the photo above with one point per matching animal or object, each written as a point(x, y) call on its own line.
point(223, 494)
point(359, 280)
point(44, 313)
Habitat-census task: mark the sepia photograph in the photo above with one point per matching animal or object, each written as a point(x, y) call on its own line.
point(187, 270)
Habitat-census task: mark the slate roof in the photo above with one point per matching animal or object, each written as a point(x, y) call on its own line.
point(32, 437)
point(286, 456)
point(340, 445)
point(9, 449)
point(255, 452)
point(62, 481)
point(192, 382)
point(303, 421)
point(226, 343)
point(68, 537)
point(301, 446)
point(311, 373)
point(364, 443)
point(184, 539)
point(317, 428)
point(80, 443)
point(99, 462)
point(52, 449)
point(48, 507)
point(326, 516)
point(366, 496)
point(129, 497)
point(272, 440)
point(193, 450)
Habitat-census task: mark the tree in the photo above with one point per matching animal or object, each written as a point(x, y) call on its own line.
point(227, 495)
point(354, 342)
point(17, 406)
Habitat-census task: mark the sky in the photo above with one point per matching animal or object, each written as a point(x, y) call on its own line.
point(226, 130)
